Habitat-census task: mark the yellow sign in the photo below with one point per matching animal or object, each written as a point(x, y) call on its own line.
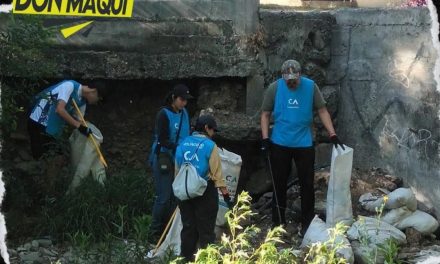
point(91, 8)
point(83, 8)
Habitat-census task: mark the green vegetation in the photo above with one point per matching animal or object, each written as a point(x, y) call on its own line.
point(23, 65)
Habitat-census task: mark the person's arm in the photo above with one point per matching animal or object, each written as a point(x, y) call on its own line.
point(61, 111)
point(266, 109)
point(326, 121)
point(264, 123)
point(215, 170)
point(178, 161)
point(65, 91)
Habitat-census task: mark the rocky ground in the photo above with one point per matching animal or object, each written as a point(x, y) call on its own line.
point(418, 249)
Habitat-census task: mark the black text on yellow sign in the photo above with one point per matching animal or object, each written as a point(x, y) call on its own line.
point(91, 8)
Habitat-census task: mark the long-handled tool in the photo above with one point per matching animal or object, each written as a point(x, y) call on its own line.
point(274, 189)
point(165, 231)
point(101, 157)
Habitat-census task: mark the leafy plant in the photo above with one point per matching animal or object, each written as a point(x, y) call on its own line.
point(388, 250)
point(141, 226)
point(23, 65)
point(237, 247)
point(326, 252)
point(99, 210)
point(80, 240)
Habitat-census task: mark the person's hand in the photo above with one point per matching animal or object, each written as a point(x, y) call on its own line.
point(228, 201)
point(335, 140)
point(84, 130)
point(265, 146)
point(226, 197)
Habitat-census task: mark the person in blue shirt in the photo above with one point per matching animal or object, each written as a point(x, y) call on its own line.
point(52, 108)
point(199, 214)
point(172, 126)
point(291, 100)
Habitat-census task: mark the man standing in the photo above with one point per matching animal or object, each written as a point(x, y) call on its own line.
point(292, 99)
point(52, 108)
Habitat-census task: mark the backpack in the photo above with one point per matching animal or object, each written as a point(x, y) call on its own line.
point(188, 184)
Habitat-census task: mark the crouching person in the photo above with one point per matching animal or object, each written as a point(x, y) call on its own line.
point(199, 214)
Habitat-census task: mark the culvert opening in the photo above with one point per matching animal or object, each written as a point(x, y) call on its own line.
point(126, 115)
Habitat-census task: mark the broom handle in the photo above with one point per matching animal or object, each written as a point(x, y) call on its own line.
point(165, 231)
point(101, 157)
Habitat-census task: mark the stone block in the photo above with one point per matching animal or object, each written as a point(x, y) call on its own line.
point(340, 41)
point(254, 94)
point(399, 39)
point(384, 17)
point(337, 70)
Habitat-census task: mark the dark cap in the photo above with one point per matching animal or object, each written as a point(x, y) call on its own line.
point(96, 84)
point(291, 70)
point(182, 90)
point(206, 120)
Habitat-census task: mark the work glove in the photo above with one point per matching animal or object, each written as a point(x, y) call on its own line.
point(84, 130)
point(335, 140)
point(265, 147)
point(228, 201)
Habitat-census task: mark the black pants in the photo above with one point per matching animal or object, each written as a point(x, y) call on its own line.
point(198, 219)
point(40, 140)
point(281, 161)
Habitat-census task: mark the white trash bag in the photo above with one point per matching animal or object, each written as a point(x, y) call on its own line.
point(84, 158)
point(376, 230)
point(396, 199)
point(420, 221)
point(318, 232)
point(394, 216)
point(231, 167)
point(172, 240)
point(338, 207)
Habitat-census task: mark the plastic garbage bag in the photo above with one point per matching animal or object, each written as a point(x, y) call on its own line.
point(396, 199)
point(172, 240)
point(84, 158)
point(318, 232)
point(377, 231)
point(338, 207)
point(231, 167)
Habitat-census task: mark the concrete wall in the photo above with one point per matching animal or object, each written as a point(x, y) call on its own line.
point(166, 40)
point(383, 61)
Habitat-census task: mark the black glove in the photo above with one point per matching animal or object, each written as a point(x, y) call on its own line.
point(265, 146)
point(228, 201)
point(84, 130)
point(335, 140)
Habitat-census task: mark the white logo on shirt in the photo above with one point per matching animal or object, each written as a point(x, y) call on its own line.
point(292, 103)
point(188, 158)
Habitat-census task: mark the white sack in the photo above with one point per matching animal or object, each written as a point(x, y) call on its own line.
point(84, 158)
point(397, 198)
point(362, 253)
point(394, 216)
point(378, 231)
point(339, 208)
point(420, 221)
point(171, 241)
point(231, 167)
point(318, 232)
